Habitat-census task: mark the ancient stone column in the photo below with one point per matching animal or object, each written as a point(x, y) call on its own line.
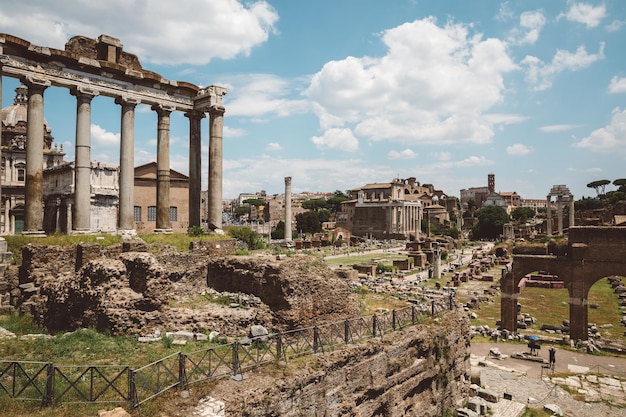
point(126, 218)
point(82, 165)
point(548, 216)
point(34, 157)
point(163, 224)
point(288, 236)
point(216, 127)
point(571, 211)
point(6, 171)
point(559, 214)
point(195, 166)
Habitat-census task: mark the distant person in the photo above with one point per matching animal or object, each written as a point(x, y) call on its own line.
point(552, 355)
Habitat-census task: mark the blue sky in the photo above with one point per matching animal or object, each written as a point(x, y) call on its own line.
point(340, 93)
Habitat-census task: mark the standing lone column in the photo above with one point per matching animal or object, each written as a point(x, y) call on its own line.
point(288, 237)
point(82, 166)
point(571, 211)
point(195, 166)
point(34, 157)
point(126, 218)
point(548, 216)
point(216, 122)
point(163, 224)
point(559, 214)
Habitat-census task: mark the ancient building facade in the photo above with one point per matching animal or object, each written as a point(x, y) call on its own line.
point(59, 197)
point(392, 210)
point(100, 67)
point(13, 149)
point(144, 209)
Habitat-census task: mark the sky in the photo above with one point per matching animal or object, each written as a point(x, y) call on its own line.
point(341, 93)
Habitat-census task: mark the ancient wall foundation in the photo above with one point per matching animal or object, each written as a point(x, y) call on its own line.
point(422, 370)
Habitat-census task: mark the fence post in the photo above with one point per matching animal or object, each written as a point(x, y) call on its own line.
point(235, 359)
point(393, 319)
point(432, 308)
point(182, 373)
point(49, 394)
point(279, 346)
point(346, 331)
point(374, 325)
point(132, 389)
point(316, 339)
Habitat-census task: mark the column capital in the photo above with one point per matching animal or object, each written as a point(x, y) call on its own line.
point(195, 114)
point(163, 108)
point(84, 91)
point(125, 100)
point(209, 99)
point(37, 82)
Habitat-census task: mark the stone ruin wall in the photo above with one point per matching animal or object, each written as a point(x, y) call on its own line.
point(423, 370)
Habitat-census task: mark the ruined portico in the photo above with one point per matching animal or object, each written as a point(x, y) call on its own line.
point(593, 253)
point(563, 196)
point(99, 67)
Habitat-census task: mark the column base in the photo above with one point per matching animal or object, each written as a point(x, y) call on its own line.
point(81, 232)
point(163, 231)
point(34, 233)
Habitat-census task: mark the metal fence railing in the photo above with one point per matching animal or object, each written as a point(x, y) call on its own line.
point(50, 385)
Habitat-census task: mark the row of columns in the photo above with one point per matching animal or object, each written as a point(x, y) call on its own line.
point(404, 219)
point(559, 213)
point(82, 197)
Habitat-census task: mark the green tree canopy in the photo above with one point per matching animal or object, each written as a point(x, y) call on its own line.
point(315, 204)
point(598, 186)
point(491, 220)
point(620, 183)
point(254, 202)
point(311, 221)
point(522, 214)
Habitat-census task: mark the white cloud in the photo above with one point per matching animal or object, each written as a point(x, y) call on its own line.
point(505, 119)
point(585, 13)
point(618, 85)
point(432, 87)
point(609, 138)
point(337, 138)
point(105, 145)
point(273, 146)
point(540, 75)
point(263, 95)
point(558, 128)
point(518, 149)
point(157, 31)
point(443, 156)
point(615, 25)
point(405, 154)
point(504, 12)
point(531, 24)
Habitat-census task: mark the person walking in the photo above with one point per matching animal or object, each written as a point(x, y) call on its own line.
point(552, 356)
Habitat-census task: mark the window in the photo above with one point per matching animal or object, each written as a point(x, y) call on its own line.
point(152, 213)
point(137, 213)
point(21, 174)
point(173, 214)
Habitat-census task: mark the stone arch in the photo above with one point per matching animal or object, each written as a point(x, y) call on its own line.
point(593, 253)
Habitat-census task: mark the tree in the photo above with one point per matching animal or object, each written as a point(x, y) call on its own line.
point(315, 204)
point(620, 184)
point(598, 186)
point(491, 220)
point(311, 221)
point(279, 231)
point(522, 214)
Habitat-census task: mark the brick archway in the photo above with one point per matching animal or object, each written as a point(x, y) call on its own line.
point(593, 253)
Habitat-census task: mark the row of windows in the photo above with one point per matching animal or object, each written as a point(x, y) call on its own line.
point(152, 213)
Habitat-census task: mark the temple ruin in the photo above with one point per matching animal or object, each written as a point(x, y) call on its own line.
point(100, 67)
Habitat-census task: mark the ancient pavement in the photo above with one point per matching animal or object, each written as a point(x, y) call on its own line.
point(596, 385)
